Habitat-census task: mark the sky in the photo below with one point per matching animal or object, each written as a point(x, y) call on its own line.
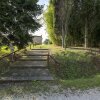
point(42, 30)
point(43, 2)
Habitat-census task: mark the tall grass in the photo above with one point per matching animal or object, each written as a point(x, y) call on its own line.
point(75, 65)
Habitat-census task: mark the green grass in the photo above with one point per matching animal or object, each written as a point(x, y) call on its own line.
point(75, 65)
point(56, 49)
point(82, 83)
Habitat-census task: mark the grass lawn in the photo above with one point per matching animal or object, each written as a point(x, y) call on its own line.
point(82, 83)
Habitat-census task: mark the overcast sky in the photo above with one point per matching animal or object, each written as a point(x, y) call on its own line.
point(42, 30)
point(42, 2)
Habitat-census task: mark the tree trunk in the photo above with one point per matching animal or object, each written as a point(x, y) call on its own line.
point(86, 34)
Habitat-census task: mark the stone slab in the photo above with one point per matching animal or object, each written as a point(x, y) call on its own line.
point(28, 66)
point(39, 78)
point(30, 63)
point(26, 74)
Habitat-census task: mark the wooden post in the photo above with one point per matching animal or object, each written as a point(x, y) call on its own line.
point(48, 58)
point(30, 46)
point(14, 56)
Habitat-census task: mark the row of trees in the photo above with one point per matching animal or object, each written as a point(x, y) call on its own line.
point(17, 18)
point(74, 22)
point(49, 17)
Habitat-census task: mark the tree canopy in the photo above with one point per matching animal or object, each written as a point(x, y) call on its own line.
point(50, 22)
point(76, 22)
point(17, 18)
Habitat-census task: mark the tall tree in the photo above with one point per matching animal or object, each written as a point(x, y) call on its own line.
point(18, 17)
point(50, 20)
point(77, 22)
point(89, 18)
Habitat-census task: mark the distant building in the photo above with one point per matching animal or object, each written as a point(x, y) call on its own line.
point(37, 40)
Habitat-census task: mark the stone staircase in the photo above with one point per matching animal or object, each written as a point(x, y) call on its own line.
point(31, 66)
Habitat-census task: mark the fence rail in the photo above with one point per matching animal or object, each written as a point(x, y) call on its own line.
point(94, 51)
point(56, 63)
point(13, 53)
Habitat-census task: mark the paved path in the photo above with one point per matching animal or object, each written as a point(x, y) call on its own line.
point(92, 94)
point(32, 66)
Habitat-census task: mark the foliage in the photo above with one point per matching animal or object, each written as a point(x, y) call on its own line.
point(75, 65)
point(82, 83)
point(17, 18)
point(46, 41)
point(76, 21)
point(49, 18)
point(84, 20)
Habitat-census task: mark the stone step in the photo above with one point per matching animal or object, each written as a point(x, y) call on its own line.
point(29, 59)
point(34, 57)
point(22, 79)
point(40, 49)
point(26, 74)
point(29, 66)
point(30, 63)
point(23, 67)
point(38, 54)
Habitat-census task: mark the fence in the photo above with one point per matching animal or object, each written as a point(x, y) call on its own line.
point(6, 60)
